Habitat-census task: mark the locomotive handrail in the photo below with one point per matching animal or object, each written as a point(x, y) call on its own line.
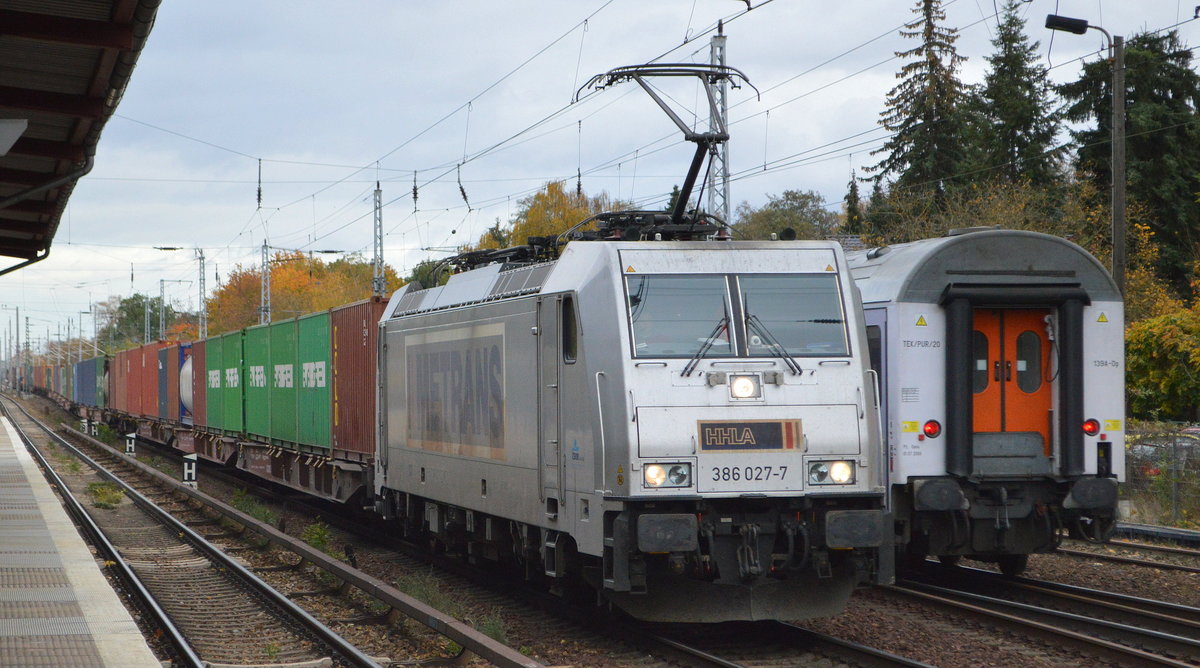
point(603, 446)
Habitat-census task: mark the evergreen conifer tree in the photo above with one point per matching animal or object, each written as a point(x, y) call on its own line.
point(854, 217)
point(1162, 145)
point(1016, 124)
point(880, 218)
point(924, 110)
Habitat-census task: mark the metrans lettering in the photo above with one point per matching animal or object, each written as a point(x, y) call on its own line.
point(456, 393)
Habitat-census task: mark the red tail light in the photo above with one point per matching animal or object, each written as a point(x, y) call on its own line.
point(932, 429)
point(1091, 427)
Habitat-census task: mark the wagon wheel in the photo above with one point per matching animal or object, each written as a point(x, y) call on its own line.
point(1095, 529)
point(949, 560)
point(1012, 565)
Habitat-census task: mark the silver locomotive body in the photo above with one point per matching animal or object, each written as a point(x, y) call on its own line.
point(1002, 358)
point(690, 427)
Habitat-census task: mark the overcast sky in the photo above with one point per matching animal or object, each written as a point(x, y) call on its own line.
point(333, 96)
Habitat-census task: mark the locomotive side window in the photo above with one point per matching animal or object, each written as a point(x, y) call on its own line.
point(803, 312)
point(675, 316)
point(1029, 361)
point(979, 353)
point(570, 333)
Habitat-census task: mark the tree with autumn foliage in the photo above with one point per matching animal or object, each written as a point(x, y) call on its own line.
point(121, 322)
point(548, 212)
point(299, 284)
point(1162, 355)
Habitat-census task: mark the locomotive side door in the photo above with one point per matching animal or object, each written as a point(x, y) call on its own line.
point(548, 360)
point(1011, 383)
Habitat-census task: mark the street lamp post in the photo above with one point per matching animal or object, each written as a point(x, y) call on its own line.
point(1116, 46)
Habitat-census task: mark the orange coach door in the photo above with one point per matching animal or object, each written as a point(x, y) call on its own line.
point(1010, 355)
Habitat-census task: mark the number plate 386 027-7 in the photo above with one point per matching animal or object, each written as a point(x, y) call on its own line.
point(760, 473)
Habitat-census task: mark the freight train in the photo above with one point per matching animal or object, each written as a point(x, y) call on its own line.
point(690, 427)
point(1001, 355)
point(633, 414)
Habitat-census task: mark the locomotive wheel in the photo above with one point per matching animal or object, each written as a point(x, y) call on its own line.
point(1012, 565)
point(949, 560)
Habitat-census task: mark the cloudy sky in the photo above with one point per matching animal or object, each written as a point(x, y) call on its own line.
point(332, 97)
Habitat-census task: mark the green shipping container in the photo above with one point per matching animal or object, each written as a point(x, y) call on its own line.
point(281, 382)
point(257, 351)
point(214, 377)
point(313, 398)
point(231, 382)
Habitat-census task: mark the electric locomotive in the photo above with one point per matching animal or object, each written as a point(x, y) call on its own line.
point(688, 426)
point(1001, 354)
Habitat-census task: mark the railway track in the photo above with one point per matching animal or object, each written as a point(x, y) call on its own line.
point(1181, 555)
point(768, 644)
point(579, 630)
point(1138, 561)
point(1182, 537)
point(217, 611)
point(1128, 629)
point(584, 640)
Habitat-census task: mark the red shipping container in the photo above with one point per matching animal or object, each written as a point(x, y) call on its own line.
point(127, 384)
point(199, 386)
point(118, 394)
point(354, 335)
point(147, 380)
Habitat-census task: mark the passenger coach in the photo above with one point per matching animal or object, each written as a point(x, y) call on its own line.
point(1002, 357)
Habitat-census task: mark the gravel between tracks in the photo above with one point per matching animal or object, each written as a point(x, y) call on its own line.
point(918, 632)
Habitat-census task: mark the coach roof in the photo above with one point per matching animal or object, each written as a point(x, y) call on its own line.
point(921, 271)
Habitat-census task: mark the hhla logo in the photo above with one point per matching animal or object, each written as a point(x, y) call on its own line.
point(728, 436)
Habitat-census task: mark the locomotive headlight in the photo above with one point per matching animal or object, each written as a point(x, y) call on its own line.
point(744, 386)
point(840, 472)
point(667, 475)
point(656, 475)
point(679, 475)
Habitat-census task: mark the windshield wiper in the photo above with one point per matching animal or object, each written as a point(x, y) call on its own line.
point(722, 324)
point(773, 345)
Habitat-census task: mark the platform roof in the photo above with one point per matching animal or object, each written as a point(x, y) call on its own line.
point(64, 65)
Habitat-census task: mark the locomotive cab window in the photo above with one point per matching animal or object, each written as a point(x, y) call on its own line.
point(678, 315)
point(801, 313)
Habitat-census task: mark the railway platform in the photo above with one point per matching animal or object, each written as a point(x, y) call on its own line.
point(56, 607)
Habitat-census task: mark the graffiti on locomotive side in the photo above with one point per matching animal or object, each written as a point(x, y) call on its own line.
point(456, 391)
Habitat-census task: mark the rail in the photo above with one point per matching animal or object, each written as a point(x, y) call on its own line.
point(463, 634)
point(173, 636)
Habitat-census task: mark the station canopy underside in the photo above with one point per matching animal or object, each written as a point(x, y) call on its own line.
point(64, 65)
